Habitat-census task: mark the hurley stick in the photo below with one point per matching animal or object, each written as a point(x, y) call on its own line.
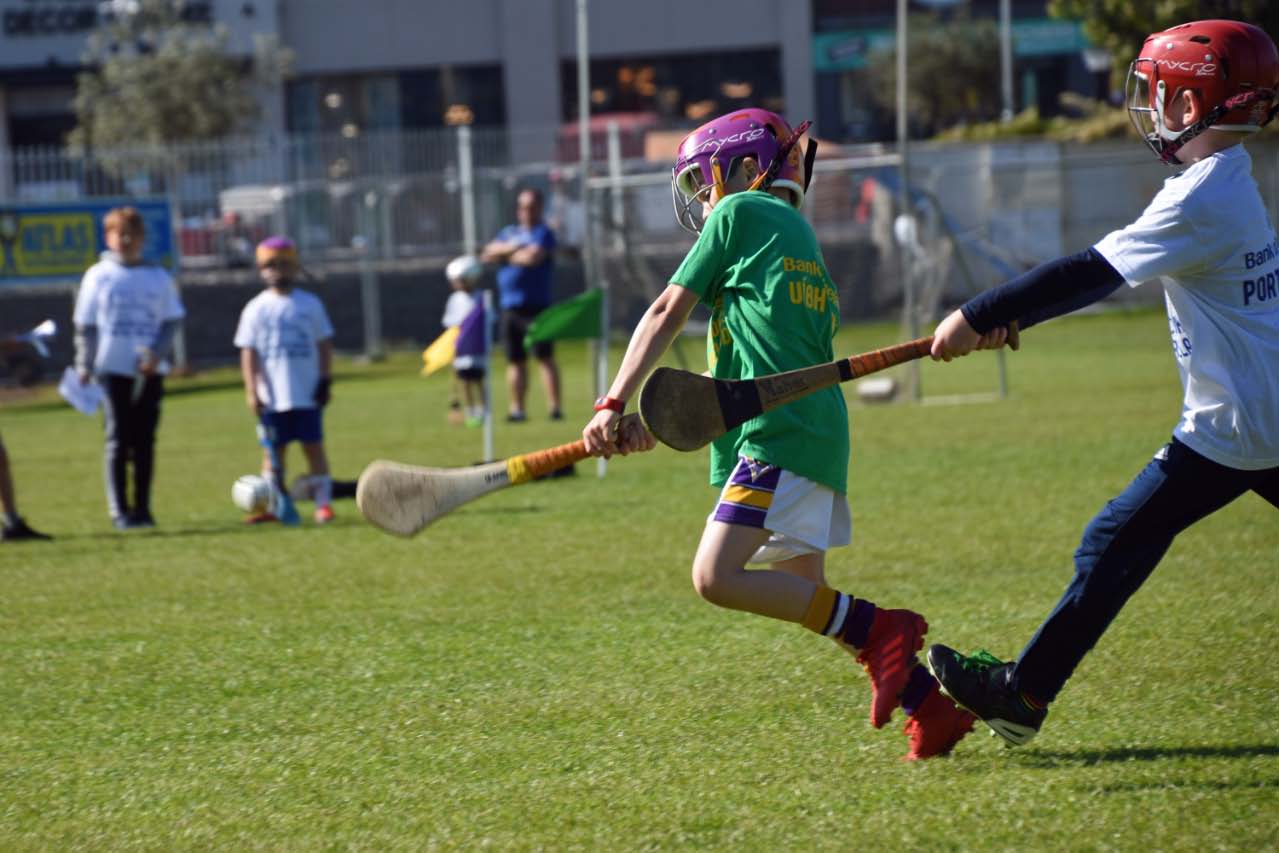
point(687, 411)
point(404, 499)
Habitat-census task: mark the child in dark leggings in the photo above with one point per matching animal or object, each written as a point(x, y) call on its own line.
point(1196, 91)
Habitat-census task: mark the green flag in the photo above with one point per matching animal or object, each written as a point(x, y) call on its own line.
point(578, 317)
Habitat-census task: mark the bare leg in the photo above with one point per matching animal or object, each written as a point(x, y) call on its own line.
point(811, 567)
point(318, 465)
point(473, 393)
point(316, 460)
point(455, 406)
point(720, 575)
point(551, 382)
point(517, 385)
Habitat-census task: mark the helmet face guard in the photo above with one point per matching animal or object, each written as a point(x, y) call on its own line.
point(1146, 110)
point(708, 156)
point(691, 189)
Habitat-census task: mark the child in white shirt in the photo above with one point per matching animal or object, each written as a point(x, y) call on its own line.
point(286, 361)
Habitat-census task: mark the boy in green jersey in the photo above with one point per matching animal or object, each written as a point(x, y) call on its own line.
point(783, 475)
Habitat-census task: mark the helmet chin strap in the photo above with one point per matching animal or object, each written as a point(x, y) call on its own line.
point(765, 179)
point(717, 178)
point(1168, 151)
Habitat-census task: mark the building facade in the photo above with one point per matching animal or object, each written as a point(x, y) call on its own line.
point(388, 65)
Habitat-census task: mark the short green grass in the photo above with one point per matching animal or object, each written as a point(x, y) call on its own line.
point(535, 670)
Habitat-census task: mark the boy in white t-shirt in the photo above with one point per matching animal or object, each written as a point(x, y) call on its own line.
point(286, 360)
point(1196, 91)
point(127, 313)
point(468, 365)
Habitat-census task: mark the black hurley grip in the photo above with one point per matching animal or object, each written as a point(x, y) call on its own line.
point(738, 401)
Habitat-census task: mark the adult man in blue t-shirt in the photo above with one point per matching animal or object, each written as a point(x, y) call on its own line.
point(525, 251)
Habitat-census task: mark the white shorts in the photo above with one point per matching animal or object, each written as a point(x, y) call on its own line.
point(804, 517)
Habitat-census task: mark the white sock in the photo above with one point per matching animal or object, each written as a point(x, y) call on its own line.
point(323, 486)
point(11, 519)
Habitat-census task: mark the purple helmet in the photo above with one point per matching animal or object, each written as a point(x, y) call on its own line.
point(277, 249)
point(718, 144)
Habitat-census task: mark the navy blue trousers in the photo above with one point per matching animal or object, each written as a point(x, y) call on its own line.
point(1121, 547)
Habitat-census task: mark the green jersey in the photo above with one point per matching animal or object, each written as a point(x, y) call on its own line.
point(758, 267)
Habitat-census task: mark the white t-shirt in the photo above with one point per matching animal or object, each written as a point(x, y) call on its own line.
point(456, 309)
point(127, 304)
point(1207, 235)
point(284, 329)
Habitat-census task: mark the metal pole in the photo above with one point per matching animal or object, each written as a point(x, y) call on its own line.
point(180, 363)
point(617, 213)
point(584, 167)
point(385, 223)
point(466, 185)
point(370, 298)
point(1006, 58)
point(903, 176)
point(488, 372)
point(617, 206)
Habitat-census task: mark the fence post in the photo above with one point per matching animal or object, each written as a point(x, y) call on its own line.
point(905, 206)
point(487, 296)
point(370, 298)
point(466, 186)
point(175, 240)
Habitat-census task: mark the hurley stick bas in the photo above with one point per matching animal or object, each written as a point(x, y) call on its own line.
point(687, 411)
point(404, 499)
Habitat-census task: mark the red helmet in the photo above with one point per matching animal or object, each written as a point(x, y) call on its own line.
point(1231, 66)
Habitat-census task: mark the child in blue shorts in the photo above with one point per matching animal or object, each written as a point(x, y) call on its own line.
point(286, 358)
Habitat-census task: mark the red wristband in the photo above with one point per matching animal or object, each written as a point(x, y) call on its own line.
point(612, 404)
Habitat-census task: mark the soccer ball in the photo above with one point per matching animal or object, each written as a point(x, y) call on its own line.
point(466, 268)
point(251, 493)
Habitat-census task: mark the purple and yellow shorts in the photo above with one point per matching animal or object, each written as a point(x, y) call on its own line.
point(803, 517)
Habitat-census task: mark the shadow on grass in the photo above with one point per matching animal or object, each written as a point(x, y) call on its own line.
point(152, 533)
point(1186, 784)
point(511, 510)
point(354, 521)
point(1092, 757)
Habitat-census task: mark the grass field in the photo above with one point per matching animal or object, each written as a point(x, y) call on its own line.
point(535, 670)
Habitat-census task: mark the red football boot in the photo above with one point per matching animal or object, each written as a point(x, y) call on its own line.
point(889, 654)
point(936, 726)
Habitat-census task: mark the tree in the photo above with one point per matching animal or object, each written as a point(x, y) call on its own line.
point(1120, 26)
point(156, 77)
point(953, 73)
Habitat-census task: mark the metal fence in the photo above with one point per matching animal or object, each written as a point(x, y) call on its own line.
point(980, 212)
point(396, 194)
point(379, 217)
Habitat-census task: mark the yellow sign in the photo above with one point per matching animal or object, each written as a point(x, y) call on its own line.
point(49, 244)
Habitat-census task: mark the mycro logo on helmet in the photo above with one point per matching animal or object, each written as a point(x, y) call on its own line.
point(716, 144)
point(1200, 69)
